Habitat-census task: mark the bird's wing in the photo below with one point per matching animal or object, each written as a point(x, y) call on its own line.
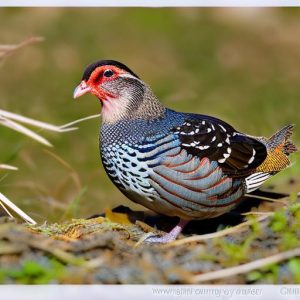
point(188, 181)
point(202, 163)
point(193, 184)
point(236, 153)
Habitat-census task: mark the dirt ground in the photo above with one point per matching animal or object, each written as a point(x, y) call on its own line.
point(259, 242)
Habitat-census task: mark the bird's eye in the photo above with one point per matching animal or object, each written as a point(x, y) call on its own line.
point(108, 73)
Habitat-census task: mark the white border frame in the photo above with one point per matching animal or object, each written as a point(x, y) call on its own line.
point(150, 3)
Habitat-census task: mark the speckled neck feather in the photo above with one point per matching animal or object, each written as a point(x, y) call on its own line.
point(139, 102)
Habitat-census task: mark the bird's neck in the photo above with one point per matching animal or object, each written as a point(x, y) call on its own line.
point(137, 130)
point(150, 107)
point(140, 104)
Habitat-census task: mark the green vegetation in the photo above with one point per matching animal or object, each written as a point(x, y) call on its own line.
point(31, 272)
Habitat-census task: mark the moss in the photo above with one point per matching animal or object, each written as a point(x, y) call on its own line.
point(34, 272)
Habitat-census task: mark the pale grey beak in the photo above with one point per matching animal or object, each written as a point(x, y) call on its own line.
point(81, 89)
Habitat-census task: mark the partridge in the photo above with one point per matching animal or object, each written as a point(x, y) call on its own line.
point(187, 165)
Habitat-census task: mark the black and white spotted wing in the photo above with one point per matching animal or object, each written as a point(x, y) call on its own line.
point(236, 153)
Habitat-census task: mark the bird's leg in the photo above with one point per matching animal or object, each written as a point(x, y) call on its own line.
point(168, 237)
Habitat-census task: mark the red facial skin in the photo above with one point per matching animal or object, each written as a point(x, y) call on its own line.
point(97, 79)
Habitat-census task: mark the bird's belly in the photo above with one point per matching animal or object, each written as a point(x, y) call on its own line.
point(161, 206)
point(132, 176)
point(122, 164)
point(126, 171)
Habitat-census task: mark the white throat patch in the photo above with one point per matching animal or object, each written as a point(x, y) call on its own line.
point(114, 109)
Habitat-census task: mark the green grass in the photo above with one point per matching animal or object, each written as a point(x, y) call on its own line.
point(32, 272)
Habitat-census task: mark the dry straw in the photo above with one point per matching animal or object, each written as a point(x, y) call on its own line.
point(12, 121)
point(19, 123)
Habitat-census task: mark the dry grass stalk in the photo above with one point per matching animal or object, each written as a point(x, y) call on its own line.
point(234, 229)
point(258, 213)
point(67, 126)
point(11, 120)
point(8, 205)
point(282, 200)
point(8, 167)
point(22, 129)
point(6, 50)
point(35, 123)
point(74, 175)
point(248, 267)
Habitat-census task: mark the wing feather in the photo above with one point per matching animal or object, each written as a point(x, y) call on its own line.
point(236, 153)
point(195, 183)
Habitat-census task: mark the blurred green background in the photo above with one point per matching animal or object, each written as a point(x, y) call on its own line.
point(241, 65)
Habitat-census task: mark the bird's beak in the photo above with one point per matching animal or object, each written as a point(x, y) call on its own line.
point(81, 89)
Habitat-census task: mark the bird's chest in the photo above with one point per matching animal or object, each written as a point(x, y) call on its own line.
point(125, 167)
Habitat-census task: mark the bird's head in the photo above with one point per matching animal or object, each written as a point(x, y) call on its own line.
point(122, 93)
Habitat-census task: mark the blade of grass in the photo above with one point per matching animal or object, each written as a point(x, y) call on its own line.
point(35, 123)
point(80, 120)
point(258, 213)
point(198, 238)
point(73, 207)
point(73, 173)
point(8, 167)
point(283, 200)
point(245, 268)
point(6, 210)
point(8, 204)
point(3, 177)
point(20, 128)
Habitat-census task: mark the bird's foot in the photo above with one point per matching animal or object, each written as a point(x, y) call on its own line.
point(166, 238)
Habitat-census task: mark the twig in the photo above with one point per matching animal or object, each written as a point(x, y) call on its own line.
point(245, 268)
point(198, 238)
point(8, 204)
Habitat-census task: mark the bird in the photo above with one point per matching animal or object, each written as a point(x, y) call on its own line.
point(188, 165)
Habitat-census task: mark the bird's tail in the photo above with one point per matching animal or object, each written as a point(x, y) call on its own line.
point(279, 147)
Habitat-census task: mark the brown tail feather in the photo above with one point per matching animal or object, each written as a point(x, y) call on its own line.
point(281, 140)
point(279, 147)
